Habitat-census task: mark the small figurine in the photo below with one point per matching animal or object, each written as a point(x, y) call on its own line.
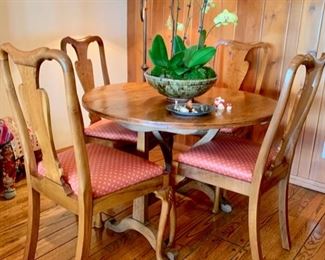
point(229, 107)
point(218, 101)
point(221, 105)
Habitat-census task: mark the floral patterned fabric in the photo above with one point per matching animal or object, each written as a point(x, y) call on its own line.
point(110, 169)
point(108, 129)
point(226, 155)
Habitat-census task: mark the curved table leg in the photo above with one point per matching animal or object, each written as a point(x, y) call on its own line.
point(166, 141)
point(207, 137)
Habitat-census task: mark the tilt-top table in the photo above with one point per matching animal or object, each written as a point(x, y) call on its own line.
point(139, 107)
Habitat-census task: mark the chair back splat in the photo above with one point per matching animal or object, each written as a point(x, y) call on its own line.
point(86, 179)
point(239, 64)
point(84, 66)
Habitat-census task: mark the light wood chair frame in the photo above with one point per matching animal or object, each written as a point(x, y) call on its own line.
point(279, 172)
point(84, 70)
point(241, 66)
point(32, 108)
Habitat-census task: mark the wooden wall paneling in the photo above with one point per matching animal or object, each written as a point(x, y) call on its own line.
point(291, 40)
point(318, 162)
point(296, 15)
point(134, 33)
point(158, 20)
point(274, 25)
point(250, 17)
point(274, 31)
point(292, 37)
point(226, 32)
point(309, 41)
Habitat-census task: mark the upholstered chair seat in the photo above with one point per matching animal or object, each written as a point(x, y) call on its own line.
point(226, 155)
point(110, 169)
point(108, 129)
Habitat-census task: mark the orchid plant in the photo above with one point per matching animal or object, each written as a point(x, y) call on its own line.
point(187, 62)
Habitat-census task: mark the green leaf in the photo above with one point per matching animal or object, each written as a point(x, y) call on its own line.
point(157, 71)
point(201, 57)
point(178, 44)
point(188, 54)
point(195, 74)
point(176, 60)
point(209, 72)
point(203, 36)
point(158, 52)
point(180, 71)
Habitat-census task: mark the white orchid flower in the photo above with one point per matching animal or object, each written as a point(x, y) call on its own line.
point(225, 18)
point(210, 4)
point(169, 24)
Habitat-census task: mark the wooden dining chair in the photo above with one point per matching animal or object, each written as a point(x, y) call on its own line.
point(239, 66)
point(103, 130)
point(85, 178)
point(242, 166)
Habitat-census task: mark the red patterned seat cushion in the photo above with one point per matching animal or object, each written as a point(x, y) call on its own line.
point(108, 129)
point(110, 169)
point(226, 155)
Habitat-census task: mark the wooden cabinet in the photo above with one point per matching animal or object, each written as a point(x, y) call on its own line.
point(290, 26)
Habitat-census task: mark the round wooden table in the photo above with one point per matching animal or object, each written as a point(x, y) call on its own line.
point(139, 107)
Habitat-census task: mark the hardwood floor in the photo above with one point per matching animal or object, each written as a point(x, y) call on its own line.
point(200, 234)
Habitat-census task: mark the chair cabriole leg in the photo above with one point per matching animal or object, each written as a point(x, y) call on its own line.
point(164, 195)
point(84, 234)
point(283, 214)
point(216, 201)
point(254, 233)
point(33, 224)
point(172, 219)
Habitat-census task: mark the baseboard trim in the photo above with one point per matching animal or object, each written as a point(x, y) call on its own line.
point(306, 183)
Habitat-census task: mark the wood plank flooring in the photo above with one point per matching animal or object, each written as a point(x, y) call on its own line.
point(200, 234)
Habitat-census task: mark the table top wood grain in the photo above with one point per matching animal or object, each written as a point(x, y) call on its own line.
point(140, 107)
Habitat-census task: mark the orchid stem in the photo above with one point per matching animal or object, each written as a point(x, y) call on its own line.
point(202, 14)
point(211, 28)
point(188, 19)
point(174, 27)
